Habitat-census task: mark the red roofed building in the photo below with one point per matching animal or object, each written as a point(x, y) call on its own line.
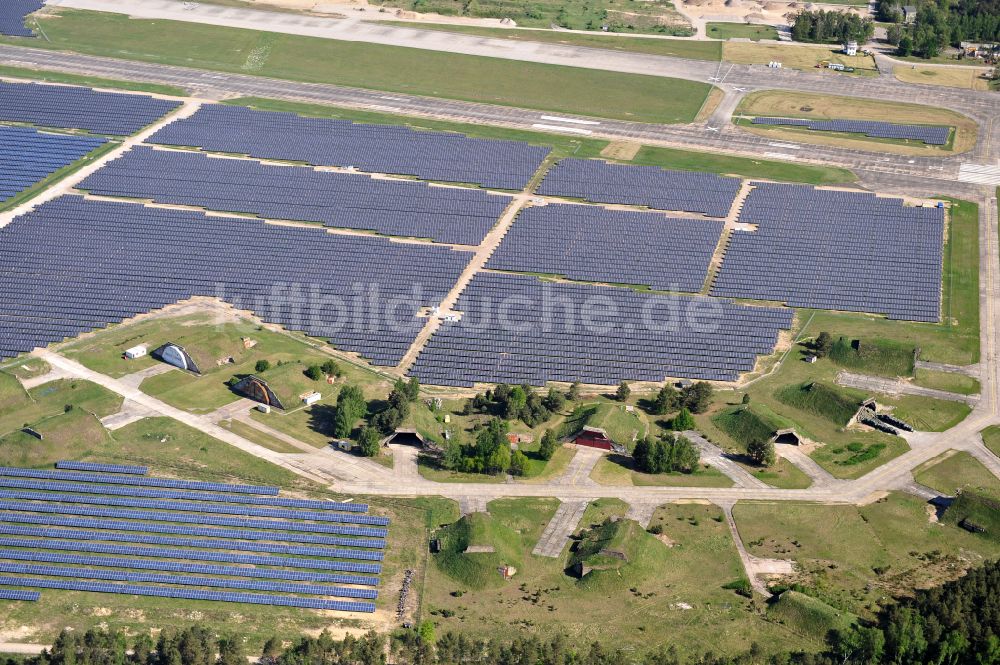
point(594, 437)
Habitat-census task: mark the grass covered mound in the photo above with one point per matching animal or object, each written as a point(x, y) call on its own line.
point(475, 547)
point(806, 615)
point(12, 395)
point(69, 435)
point(822, 399)
point(750, 422)
point(622, 426)
point(616, 552)
point(877, 356)
point(976, 511)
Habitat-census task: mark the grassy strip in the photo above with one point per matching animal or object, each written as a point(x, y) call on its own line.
point(740, 31)
point(830, 402)
point(679, 48)
point(742, 166)
point(392, 68)
point(947, 381)
point(91, 81)
point(260, 438)
point(955, 472)
point(878, 356)
point(61, 174)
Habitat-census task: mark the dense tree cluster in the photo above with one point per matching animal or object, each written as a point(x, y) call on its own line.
point(328, 368)
point(351, 407)
point(397, 408)
point(696, 398)
point(830, 27)
point(491, 453)
point(939, 23)
point(761, 451)
point(518, 403)
point(669, 453)
point(957, 623)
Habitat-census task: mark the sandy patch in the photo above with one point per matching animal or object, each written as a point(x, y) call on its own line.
point(621, 150)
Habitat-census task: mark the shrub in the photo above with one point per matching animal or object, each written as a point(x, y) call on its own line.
point(262, 365)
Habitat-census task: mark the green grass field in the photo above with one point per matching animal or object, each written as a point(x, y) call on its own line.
point(807, 615)
point(475, 547)
point(927, 414)
point(19, 408)
point(742, 166)
point(881, 357)
point(680, 595)
point(390, 68)
point(749, 423)
point(955, 472)
point(622, 427)
point(678, 48)
point(991, 437)
point(948, 381)
point(740, 31)
point(618, 470)
point(855, 558)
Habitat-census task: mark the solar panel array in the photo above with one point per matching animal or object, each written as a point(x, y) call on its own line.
point(836, 250)
point(73, 265)
point(519, 329)
point(929, 134)
point(598, 181)
point(374, 148)
point(594, 244)
point(68, 107)
point(17, 594)
point(70, 465)
point(12, 16)
point(44, 544)
point(391, 207)
point(28, 156)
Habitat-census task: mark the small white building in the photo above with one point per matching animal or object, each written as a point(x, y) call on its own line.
point(851, 48)
point(135, 352)
point(311, 398)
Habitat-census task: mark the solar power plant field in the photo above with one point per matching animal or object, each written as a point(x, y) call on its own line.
point(929, 134)
point(117, 114)
point(592, 334)
point(12, 15)
point(28, 156)
point(649, 186)
point(836, 250)
point(258, 556)
point(73, 265)
point(374, 148)
point(390, 207)
point(594, 244)
point(69, 465)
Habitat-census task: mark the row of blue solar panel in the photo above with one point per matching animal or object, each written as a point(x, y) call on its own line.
point(13, 14)
point(160, 515)
point(185, 580)
point(70, 465)
point(929, 134)
point(373, 148)
point(68, 107)
point(193, 555)
point(602, 182)
point(66, 273)
point(600, 335)
point(11, 522)
point(592, 244)
point(456, 215)
point(187, 567)
point(131, 491)
point(202, 507)
point(836, 250)
point(190, 594)
point(28, 156)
